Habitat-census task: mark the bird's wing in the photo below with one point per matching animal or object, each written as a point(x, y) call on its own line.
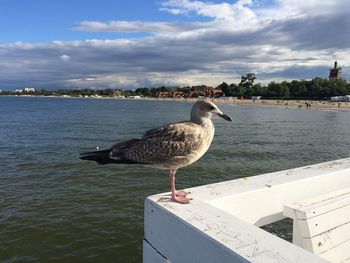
point(119, 150)
point(164, 143)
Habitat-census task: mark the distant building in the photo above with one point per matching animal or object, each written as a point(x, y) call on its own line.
point(118, 93)
point(341, 98)
point(172, 94)
point(29, 90)
point(201, 92)
point(335, 73)
point(207, 92)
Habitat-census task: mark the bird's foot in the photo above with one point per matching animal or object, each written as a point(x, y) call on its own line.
point(182, 193)
point(181, 199)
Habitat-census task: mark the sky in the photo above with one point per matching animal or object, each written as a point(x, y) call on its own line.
point(122, 44)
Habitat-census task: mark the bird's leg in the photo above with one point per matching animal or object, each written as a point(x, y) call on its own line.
point(180, 192)
point(177, 196)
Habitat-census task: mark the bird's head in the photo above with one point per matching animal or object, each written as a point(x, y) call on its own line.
point(206, 109)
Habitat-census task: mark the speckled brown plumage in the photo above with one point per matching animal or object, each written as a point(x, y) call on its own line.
point(167, 144)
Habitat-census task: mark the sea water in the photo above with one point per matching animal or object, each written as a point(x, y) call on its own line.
point(54, 206)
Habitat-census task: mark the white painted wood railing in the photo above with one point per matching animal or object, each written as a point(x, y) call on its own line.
point(322, 225)
point(222, 223)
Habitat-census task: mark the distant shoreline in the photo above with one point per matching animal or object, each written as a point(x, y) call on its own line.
point(293, 104)
point(286, 104)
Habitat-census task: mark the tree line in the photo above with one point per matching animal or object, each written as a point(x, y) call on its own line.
point(317, 88)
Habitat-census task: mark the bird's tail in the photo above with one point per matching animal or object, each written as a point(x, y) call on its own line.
point(112, 155)
point(101, 157)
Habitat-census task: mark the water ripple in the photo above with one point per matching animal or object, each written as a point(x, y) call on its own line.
point(54, 207)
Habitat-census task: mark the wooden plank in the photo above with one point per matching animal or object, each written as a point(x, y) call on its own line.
point(317, 225)
point(320, 204)
point(327, 240)
point(338, 253)
point(324, 206)
point(319, 198)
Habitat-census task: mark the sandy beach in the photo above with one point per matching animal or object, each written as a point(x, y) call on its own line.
point(291, 104)
point(287, 104)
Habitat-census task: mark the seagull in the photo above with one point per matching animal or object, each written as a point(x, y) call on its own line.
point(169, 147)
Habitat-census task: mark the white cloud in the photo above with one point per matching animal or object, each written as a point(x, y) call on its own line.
point(312, 7)
point(65, 58)
point(221, 11)
point(134, 26)
point(288, 40)
point(237, 16)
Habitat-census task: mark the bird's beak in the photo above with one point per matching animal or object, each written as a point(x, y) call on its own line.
point(224, 116)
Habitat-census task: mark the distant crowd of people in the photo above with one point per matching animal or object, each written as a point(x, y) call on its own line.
point(307, 105)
